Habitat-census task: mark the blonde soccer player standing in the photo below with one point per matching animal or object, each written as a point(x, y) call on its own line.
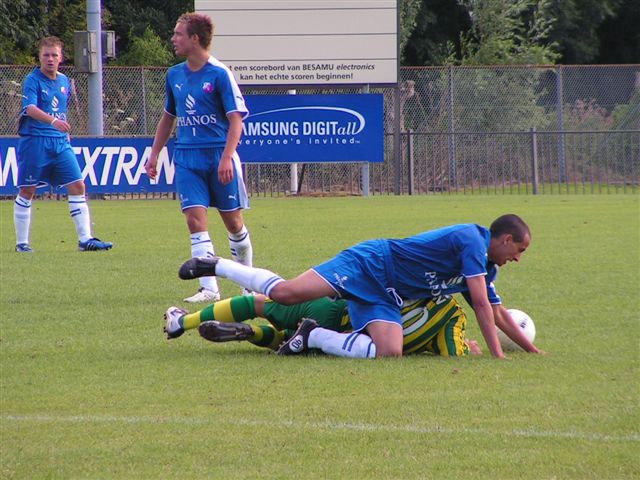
point(45, 155)
point(204, 103)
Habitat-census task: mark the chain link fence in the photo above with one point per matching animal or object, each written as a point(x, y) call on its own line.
point(516, 129)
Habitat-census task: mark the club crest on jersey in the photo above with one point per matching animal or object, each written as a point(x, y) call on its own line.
point(190, 103)
point(340, 280)
point(63, 89)
point(207, 87)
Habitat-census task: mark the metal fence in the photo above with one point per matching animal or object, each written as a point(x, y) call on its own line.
point(502, 129)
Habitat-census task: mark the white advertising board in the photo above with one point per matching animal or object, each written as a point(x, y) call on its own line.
point(306, 42)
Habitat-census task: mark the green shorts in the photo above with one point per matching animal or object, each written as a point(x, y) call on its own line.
point(330, 314)
point(435, 326)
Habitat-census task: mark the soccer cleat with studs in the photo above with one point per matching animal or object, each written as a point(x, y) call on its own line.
point(24, 248)
point(197, 267)
point(299, 341)
point(172, 322)
point(215, 331)
point(94, 244)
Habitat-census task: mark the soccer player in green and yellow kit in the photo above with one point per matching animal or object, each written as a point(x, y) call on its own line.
point(434, 325)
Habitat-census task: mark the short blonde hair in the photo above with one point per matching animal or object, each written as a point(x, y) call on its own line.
point(50, 42)
point(198, 24)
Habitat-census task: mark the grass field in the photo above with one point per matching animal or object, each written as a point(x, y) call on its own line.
point(91, 389)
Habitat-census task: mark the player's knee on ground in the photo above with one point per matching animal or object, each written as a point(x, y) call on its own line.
point(388, 351)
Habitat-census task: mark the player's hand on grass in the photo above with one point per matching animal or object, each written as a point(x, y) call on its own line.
point(474, 348)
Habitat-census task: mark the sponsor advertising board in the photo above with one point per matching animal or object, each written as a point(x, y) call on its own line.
point(280, 128)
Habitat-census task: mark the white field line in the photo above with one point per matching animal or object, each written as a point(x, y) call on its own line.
point(328, 425)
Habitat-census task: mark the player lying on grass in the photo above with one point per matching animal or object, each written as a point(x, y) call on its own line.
point(375, 275)
point(436, 326)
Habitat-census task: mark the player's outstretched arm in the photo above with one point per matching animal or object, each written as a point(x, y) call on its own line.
point(505, 323)
point(484, 314)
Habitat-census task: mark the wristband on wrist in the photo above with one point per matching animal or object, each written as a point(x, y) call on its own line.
point(54, 120)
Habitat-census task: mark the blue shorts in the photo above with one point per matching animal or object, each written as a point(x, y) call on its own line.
point(360, 274)
point(197, 181)
point(46, 161)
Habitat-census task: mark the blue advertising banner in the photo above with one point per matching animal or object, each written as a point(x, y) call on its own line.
point(313, 128)
point(280, 128)
point(108, 164)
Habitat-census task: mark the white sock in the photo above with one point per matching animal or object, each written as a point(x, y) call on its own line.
point(202, 246)
point(352, 345)
point(240, 245)
point(79, 211)
point(255, 279)
point(22, 219)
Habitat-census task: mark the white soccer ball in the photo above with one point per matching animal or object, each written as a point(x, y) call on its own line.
point(525, 322)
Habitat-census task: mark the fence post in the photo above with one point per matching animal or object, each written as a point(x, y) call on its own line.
point(144, 103)
point(96, 114)
point(410, 160)
point(293, 168)
point(364, 171)
point(452, 130)
point(534, 160)
point(562, 169)
point(397, 139)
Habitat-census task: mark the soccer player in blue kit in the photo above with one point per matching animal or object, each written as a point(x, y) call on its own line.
point(45, 155)
point(375, 275)
point(205, 105)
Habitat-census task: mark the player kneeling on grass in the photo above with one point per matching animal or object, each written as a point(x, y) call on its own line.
point(436, 326)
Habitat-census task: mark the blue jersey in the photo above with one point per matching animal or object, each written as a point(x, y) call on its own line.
point(50, 96)
point(428, 265)
point(201, 101)
point(438, 262)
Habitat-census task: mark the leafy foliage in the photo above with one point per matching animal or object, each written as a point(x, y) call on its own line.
point(576, 26)
point(21, 24)
point(432, 32)
point(132, 21)
point(148, 50)
point(436, 36)
point(408, 15)
point(508, 32)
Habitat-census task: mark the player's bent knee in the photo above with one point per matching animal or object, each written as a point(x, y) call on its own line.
point(387, 351)
point(282, 295)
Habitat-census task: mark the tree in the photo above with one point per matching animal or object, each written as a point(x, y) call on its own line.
point(507, 32)
point(620, 36)
point(437, 32)
point(575, 30)
point(21, 25)
point(408, 12)
point(146, 50)
point(131, 18)
point(64, 17)
point(24, 23)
